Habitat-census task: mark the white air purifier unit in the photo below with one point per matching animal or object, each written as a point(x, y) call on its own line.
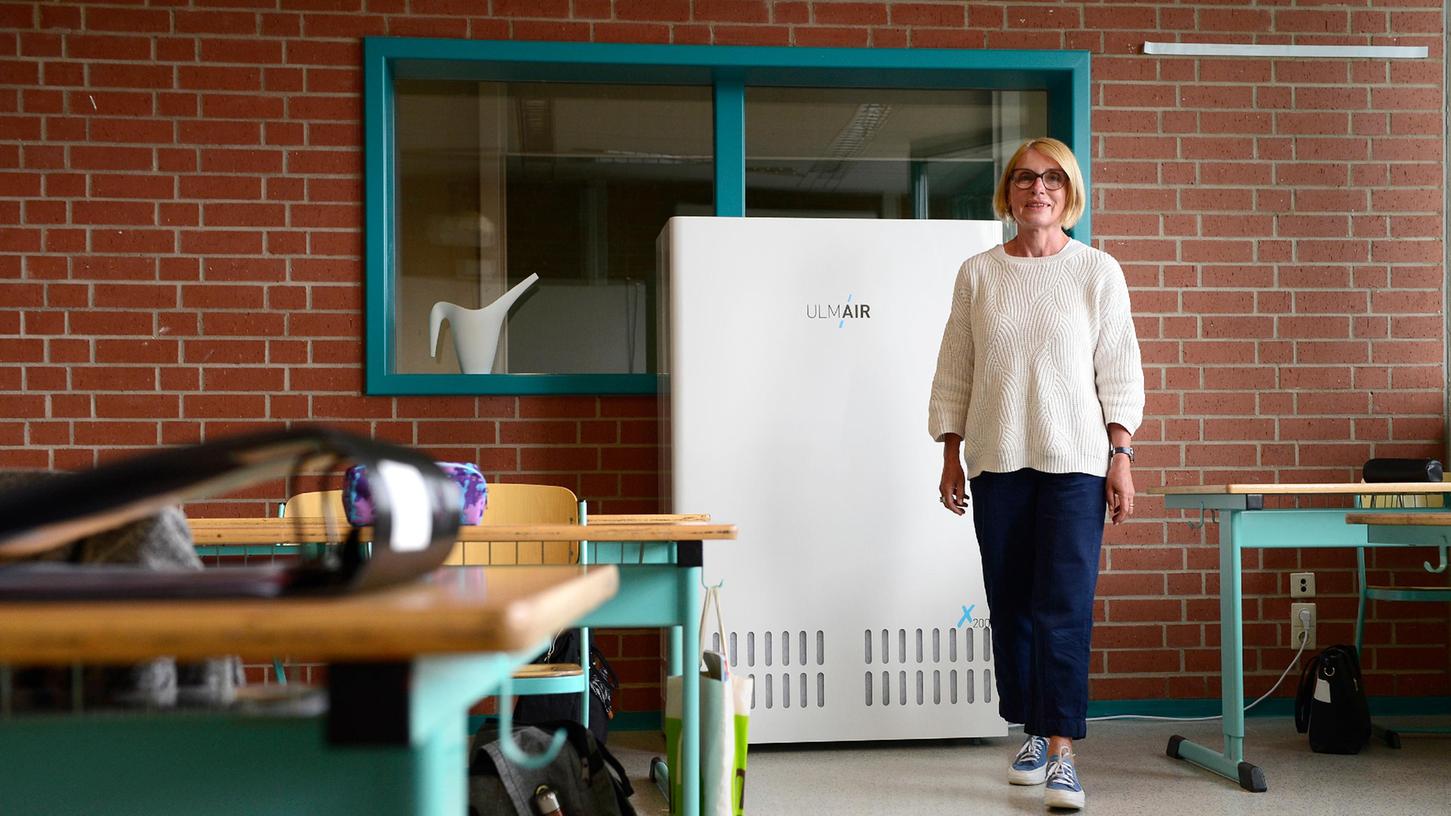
point(798, 357)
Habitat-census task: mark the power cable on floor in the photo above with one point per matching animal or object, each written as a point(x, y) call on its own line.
point(1303, 639)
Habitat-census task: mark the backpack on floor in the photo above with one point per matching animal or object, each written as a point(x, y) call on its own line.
point(603, 683)
point(1330, 704)
point(585, 778)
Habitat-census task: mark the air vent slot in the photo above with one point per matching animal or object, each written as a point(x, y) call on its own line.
point(779, 650)
point(925, 666)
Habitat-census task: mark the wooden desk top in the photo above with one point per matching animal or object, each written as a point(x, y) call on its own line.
point(462, 609)
point(646, 518)
point(1302, 489)
point(1428, 519)
point(276, 530)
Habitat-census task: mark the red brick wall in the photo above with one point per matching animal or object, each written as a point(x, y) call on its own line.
point(180, 256)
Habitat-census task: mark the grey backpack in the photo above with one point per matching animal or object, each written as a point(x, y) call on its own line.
point(585, 778)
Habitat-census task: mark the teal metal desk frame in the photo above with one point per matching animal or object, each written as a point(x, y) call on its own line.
point(1244, 523)
point(395, 740)
point(660, 586)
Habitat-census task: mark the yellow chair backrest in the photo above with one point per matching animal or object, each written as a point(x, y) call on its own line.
point(524, 504)
point(1405, 500)
point(319, 504)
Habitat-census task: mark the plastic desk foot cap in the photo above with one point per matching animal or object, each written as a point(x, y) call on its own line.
point(660, 775)
point(1173, 749)
point(1251, 778)
point(1390, 737)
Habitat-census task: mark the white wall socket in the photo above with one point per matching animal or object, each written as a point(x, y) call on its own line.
point(1302, 585)
point(1297, 626)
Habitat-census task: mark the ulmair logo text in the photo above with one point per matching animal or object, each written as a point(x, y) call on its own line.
point(840, 312)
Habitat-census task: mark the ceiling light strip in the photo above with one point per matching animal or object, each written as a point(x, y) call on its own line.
point(1178, 49)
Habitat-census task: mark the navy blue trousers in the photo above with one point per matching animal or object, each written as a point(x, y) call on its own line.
point(1040, 536)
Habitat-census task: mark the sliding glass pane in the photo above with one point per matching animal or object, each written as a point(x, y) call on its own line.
point(882, 153)
point(499, 182)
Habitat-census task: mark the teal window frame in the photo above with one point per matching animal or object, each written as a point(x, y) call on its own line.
point(728, 70)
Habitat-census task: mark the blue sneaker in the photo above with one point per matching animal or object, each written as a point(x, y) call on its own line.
point(1063, 790)
point(1030, 766)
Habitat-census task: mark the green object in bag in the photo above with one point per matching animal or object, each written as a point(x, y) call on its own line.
point(741, 689)
point(725, 710)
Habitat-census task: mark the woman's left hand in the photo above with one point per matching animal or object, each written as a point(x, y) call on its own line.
point(1120, 490)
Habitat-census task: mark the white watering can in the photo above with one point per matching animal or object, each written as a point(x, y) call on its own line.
point(475, 331)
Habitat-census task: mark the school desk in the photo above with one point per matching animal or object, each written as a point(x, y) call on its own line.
point(1246, 523)
point(405, 665)
point(660, 584)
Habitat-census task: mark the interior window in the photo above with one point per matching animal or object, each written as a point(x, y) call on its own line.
point(498, 182)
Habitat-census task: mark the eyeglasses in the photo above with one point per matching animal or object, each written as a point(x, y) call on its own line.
point(1052, 179)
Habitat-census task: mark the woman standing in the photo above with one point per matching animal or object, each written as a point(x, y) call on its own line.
point(1039, 389)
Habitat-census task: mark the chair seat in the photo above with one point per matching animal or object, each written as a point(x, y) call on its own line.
point(535, 670)
point(1408, 593)
point(290, 699)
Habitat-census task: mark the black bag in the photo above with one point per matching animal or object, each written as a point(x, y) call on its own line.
point(542, 708)
point(585, 778)
point(1401, 470)
point(1331, 704)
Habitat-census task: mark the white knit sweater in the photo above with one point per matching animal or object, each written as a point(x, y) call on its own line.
point(1038, 357)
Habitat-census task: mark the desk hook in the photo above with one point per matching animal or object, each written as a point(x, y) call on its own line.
point(1194, 526)
point(508, 747)
point(718, 585)
point(1441, 567)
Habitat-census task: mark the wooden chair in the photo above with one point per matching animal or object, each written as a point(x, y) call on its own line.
point(536, 504)
point(508, 504)
point(315, 504)
point(1367, 592)
point(319, 504)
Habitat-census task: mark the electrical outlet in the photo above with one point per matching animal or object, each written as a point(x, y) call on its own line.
point(1302, 585)
point(1297, 626)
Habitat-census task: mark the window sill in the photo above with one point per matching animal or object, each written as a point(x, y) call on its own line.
point(509, 384)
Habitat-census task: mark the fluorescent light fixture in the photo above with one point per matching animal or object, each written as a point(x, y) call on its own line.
point(1178, 49)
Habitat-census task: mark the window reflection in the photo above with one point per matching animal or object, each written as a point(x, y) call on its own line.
point(572, 182)
point(882, 153)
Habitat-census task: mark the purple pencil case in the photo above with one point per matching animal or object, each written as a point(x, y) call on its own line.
point(358, 497)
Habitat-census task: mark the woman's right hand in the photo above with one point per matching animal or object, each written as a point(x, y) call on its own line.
point(953, 486)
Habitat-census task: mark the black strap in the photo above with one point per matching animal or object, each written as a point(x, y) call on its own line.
point(1304, 694)
point(622, 779)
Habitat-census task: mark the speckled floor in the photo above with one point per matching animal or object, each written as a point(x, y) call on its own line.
point(1123, 767)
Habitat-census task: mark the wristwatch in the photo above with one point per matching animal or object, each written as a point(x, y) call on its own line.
point(1116, 450)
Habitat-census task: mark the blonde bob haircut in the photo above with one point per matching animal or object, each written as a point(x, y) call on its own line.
point(1073, 202)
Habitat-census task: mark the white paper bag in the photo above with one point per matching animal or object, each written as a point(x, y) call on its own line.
point(725, 709)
